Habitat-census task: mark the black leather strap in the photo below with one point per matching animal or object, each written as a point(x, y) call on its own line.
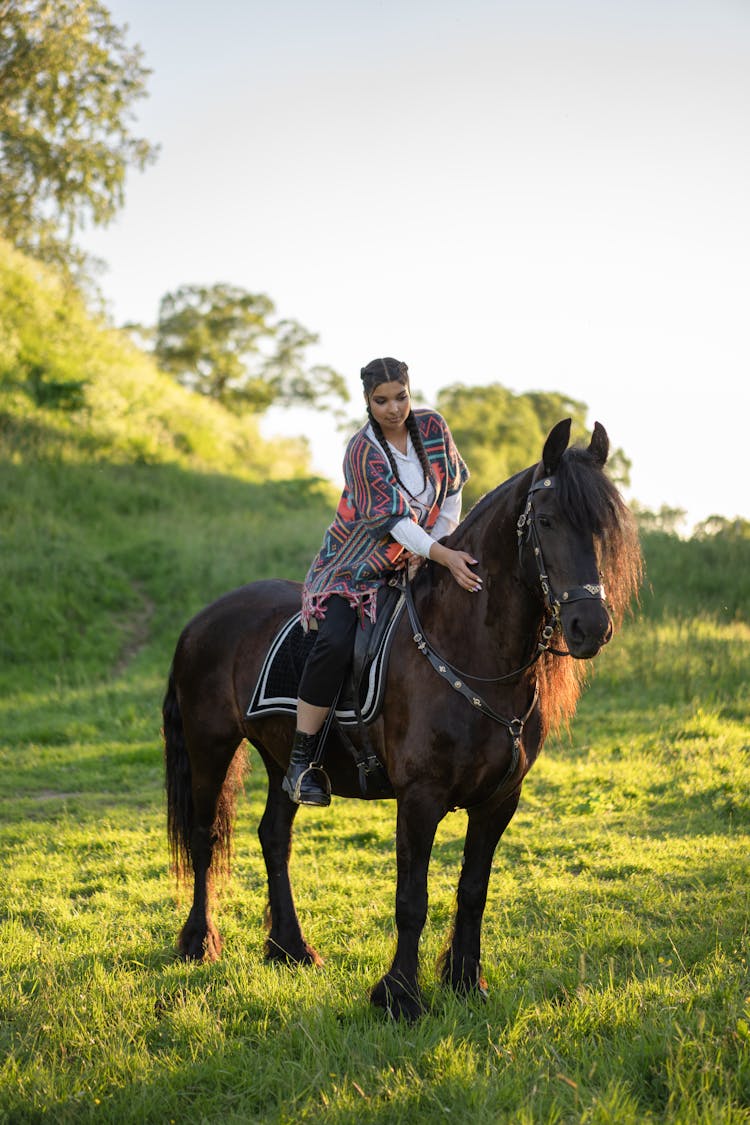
point(449, 673)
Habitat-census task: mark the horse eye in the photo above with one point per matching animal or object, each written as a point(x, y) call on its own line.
point(545, 521)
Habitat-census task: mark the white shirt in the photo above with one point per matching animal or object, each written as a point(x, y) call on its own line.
point(406, 532)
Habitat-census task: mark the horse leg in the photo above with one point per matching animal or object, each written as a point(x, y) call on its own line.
point(460, 964)
point(285, 941)
point(398, 991)
point(199, 939)
point(213, 793)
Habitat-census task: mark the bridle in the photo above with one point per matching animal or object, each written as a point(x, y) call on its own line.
point(527, 535)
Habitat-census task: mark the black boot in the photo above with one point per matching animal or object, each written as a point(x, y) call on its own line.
point(306, 784)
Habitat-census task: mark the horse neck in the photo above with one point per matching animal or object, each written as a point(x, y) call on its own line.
point(498, 626)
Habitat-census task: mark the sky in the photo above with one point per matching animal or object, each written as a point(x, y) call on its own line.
point(549, 195)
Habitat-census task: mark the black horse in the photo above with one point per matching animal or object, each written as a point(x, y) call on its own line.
point(549, 542)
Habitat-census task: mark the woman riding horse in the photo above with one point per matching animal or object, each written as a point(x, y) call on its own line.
point(551, 540)
point(404, 478)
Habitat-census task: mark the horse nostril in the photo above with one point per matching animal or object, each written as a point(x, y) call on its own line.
point(576, 631)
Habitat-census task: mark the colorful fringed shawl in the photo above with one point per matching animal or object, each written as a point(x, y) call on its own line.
point(358, 554)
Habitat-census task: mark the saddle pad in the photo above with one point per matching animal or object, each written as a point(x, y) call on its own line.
point(276, 690)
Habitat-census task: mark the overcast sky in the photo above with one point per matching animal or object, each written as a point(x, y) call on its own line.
point(552, 196)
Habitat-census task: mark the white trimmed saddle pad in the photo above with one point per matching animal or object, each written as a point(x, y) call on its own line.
point(278, 683)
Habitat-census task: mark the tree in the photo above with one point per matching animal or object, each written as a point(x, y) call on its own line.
point(499, 432)
point(550, 407)
point(68, 82)
point(720, 527)
point(664, 521)
point(495, 431)
point(225, 343)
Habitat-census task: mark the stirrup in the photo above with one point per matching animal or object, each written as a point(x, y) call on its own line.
point(321, 795)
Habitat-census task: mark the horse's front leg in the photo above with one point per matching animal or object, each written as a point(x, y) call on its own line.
point(285, 940)
point(460, 964)
point(418, 817)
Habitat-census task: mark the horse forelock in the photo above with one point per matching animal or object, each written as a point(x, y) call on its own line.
point(587, 497)
point(591, 502)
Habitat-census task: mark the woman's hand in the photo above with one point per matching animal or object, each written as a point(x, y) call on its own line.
point(459, 563)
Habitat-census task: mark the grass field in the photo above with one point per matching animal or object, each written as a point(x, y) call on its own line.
point(616, 938)
point(616, 935)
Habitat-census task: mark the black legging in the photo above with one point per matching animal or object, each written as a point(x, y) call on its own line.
point(331, 654)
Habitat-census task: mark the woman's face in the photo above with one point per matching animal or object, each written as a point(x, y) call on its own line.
point(390, 404)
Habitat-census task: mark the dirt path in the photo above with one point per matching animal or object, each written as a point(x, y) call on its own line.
point(136, 634)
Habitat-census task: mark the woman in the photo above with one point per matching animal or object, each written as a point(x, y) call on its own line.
point(403, 481)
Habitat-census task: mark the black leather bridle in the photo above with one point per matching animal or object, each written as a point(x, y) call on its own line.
point(528, 534)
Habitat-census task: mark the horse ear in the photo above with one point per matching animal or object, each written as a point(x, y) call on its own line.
point(599, 444)
point(555, 445)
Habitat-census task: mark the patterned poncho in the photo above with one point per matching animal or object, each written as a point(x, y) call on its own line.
point(358, 554)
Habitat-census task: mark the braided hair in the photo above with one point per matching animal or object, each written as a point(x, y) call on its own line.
point(390, 370)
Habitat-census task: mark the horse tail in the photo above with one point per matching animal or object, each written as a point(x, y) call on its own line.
point(178, 783)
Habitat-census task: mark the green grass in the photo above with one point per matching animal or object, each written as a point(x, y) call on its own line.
point(615, 942)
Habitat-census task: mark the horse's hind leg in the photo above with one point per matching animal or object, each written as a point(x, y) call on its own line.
point(213, 799)
point(460, 964)
point(285, 941)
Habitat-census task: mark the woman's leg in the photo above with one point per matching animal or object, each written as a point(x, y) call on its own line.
point(310, 718)
point(321, 678)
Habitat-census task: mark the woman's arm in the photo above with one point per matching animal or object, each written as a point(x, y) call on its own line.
point(409, 534)
point(449, 518)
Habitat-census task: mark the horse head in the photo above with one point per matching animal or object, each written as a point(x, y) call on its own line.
point(568, 511)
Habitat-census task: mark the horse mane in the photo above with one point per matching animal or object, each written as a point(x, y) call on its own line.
point(489, 500)
point(590, 501)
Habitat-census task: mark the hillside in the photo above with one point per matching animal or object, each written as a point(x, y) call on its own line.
point(127, 502)
point(123, 496)
point(79, 390)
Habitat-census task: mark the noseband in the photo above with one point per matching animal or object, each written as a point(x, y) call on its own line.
point(527, 533)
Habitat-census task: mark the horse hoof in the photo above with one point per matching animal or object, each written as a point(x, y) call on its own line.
point(200, 945)
point(400, 1000)
point(465, 978)
point(303, 954)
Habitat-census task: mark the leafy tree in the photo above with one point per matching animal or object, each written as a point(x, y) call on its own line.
point(68, 81)
point(550, 407)
point(664, 521)
point(720, 527)
point(226, 343)
point(499, 432)
point(495, 431)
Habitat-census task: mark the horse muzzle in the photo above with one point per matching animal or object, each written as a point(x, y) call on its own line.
point(587, 627)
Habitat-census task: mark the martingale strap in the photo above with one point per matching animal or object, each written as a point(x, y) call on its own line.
point(514, 726)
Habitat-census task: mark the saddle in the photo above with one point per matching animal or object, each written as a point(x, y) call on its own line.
point(360, 698)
